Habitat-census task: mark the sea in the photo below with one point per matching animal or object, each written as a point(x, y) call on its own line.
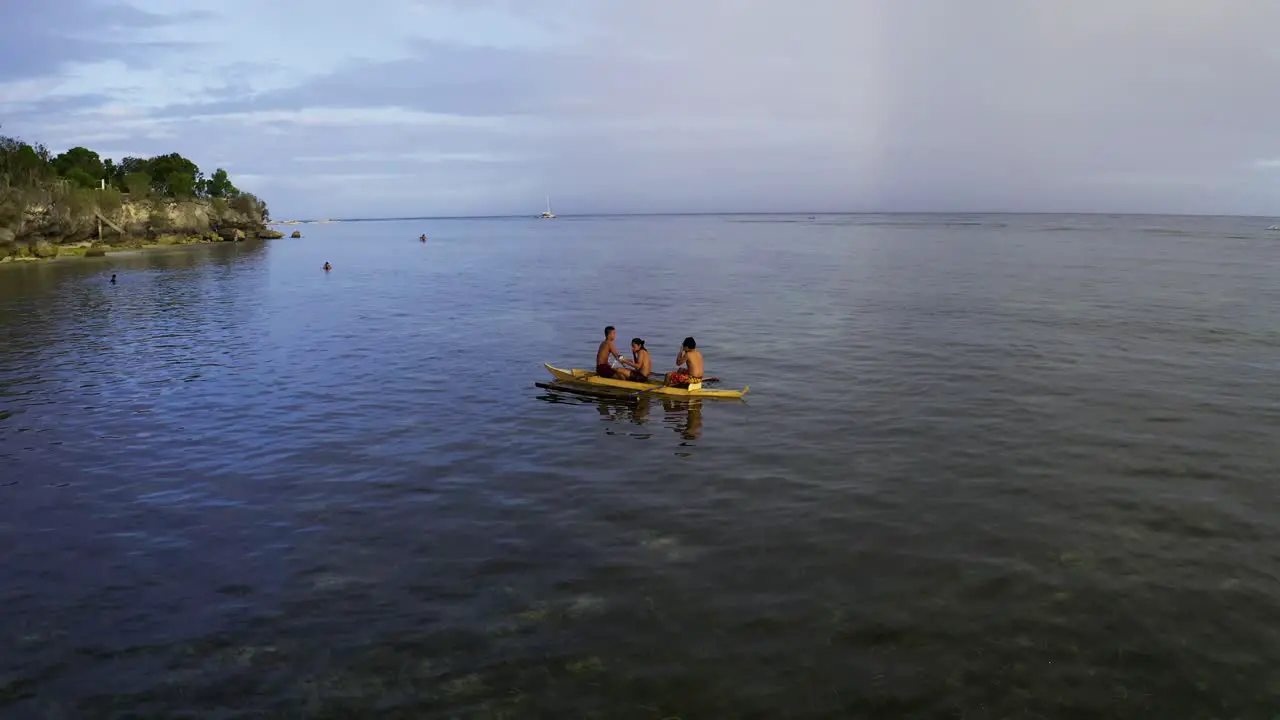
point(989, 466)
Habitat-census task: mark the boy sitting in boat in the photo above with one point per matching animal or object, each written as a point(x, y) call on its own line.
point(688, 365)
point(640, 365)
point(603, 368)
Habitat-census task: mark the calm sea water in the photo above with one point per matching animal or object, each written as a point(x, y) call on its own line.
point(989, 467)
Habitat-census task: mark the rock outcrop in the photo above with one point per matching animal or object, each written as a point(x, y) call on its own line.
point(44, 226)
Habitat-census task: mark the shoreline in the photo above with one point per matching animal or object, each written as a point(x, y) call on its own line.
point(81, 251)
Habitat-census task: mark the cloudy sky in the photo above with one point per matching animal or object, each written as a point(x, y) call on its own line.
point(332, 108)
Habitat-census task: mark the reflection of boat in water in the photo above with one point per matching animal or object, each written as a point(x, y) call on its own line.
point(683, 417)
point(591, 383)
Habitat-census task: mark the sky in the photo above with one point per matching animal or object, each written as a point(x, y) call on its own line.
point(394, 108)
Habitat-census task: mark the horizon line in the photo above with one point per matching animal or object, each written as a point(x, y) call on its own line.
point(786, 213)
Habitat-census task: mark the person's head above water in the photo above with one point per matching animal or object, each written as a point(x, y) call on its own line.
point(689, 344)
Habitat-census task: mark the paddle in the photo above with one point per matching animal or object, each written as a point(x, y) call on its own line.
point(638, 393)
point(704, 380)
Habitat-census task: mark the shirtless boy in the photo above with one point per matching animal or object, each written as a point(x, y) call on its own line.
point(603, 368)
point(688, 364)
point(641, 364)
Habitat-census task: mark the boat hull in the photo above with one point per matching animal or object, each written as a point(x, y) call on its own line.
point(587, 378)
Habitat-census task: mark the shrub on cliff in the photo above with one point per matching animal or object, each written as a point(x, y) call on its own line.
point(78, 201)
point(137, 184)
point(250, 206)
point(109, 201)
point(12, 206)
point(158, 217)
point(219, 207)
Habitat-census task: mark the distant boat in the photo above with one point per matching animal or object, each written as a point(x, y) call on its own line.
point(548, 215)
point(1274, 227)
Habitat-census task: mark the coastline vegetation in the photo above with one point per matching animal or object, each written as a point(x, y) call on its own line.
point(78, 203)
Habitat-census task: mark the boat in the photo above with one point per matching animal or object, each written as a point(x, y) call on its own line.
point(548, 215)
point(585, 379)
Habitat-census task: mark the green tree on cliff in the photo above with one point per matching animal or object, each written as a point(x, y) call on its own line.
point(23, 165)
point(181, 185)
point(219, 185)
point(172, 175)
point(80, 165)
point(124, 168)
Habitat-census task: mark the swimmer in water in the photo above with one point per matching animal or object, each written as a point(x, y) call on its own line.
point(327, 267)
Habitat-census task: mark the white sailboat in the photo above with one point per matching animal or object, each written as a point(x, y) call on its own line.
point(548, 215)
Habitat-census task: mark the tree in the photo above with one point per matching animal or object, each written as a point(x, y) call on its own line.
point(219, 185)
point(126, 167)
point(81, 178)
point(181, 185)
point(80, 159)
point(166, 169)
point(24, 165)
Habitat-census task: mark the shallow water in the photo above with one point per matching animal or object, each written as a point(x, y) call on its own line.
point(990, 466)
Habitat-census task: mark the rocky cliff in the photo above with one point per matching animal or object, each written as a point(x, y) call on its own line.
point(76, 218)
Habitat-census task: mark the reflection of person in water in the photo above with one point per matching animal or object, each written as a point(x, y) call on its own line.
point(636, 413)
point(685, 417)
point(640, 413)
point(693, 425)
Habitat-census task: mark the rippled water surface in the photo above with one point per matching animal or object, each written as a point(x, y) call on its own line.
point(989, 467)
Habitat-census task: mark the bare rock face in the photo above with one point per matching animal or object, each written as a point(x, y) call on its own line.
point(270, 234)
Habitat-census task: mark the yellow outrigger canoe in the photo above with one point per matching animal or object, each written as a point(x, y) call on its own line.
point(587, 378)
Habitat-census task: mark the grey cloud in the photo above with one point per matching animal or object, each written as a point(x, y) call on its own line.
point(1144, 105)
point(56, 105)
point(36, 42)
point(991, 103)
point(439, 79)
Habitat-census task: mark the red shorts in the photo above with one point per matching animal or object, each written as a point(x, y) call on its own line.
point(677, 378)
point(605, 370)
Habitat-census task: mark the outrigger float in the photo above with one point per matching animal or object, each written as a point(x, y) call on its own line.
point(587, 382)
